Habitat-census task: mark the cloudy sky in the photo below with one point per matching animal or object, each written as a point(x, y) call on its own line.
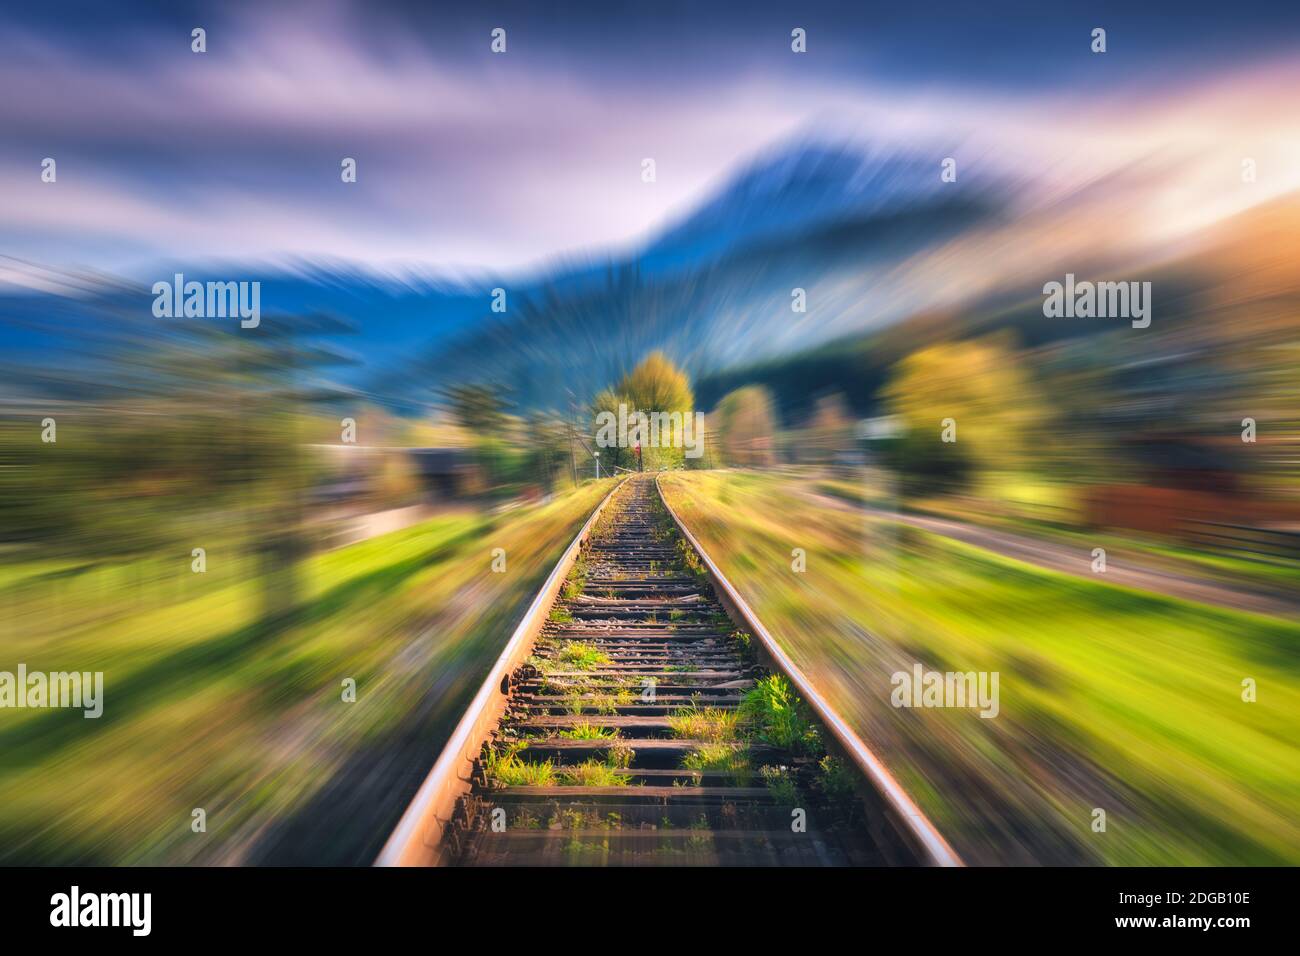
point(472, 160)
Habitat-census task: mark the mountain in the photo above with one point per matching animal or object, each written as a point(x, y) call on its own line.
point(715, 289)
point(791, 192)
point(837, 220)
point(1226, 304)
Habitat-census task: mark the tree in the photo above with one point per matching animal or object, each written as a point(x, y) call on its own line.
point(611, 455)
point(548, 448)
point(194, 430)
point(829, 431)
point(657, 385)
point(746, 426)
point(479, 409)
point(997, 412)
point(654, 386)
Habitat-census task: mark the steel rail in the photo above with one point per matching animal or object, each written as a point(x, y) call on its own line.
point(417, 840)
point(934, 849)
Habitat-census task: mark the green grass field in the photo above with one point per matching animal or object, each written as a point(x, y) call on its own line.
point(207, 704)
point(1110, 699)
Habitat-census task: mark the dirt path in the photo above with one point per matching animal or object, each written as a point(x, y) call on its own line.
point(1120, 569)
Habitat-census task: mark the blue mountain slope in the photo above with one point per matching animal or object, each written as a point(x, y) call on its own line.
point(713, 289)
point(794, 191)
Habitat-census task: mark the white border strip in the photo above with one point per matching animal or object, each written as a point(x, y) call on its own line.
point(936, 847)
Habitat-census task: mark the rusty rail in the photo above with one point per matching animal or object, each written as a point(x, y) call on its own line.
point(417, 841)
point(444, 822)
point(923, 834)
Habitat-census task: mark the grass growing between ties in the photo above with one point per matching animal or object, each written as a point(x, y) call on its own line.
point(588, 731)
point(692, 563)
point(837, 782)
point(722, 758)
point(778, 717)
point(571, 656)
point(780, 783)
point(506, 768)
point(705, 723)
point(581, 656)
point(594, 773)
point(611, 771)
point(577, 580)
point(576, 703)
point(1109, 697)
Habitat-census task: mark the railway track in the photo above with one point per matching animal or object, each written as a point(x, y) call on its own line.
point(642, 716)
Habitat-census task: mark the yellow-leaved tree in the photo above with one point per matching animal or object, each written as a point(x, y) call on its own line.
point(969, 410)
point(656, 387)
point(746, 426)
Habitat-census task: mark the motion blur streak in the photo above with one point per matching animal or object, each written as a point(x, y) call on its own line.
point(294, 550)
